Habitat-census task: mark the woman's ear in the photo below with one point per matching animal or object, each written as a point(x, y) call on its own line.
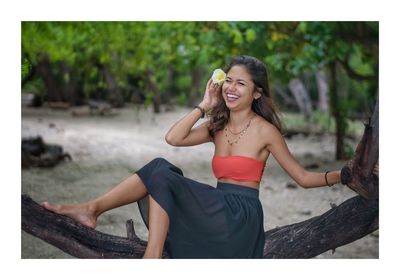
point(257, 93)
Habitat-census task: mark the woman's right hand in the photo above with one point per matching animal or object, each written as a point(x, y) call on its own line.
point(212, 96)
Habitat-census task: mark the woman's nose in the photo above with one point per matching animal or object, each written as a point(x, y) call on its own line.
point(232, 87)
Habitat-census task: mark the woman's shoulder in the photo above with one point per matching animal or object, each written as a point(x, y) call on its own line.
point(264, 126)
point(266, 129)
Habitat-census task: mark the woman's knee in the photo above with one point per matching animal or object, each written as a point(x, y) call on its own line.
point(159, 162)
point(161, 166)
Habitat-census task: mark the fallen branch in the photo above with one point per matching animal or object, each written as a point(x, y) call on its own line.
point(76, 239)
point(341, 225)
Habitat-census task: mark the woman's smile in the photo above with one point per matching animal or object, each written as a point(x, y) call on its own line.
point(238, 85)
point(232, 97)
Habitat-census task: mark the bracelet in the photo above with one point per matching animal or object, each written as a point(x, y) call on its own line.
point(202, 111)
point(326, 179)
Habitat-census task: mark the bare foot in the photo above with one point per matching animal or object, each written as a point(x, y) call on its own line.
point(82, 213)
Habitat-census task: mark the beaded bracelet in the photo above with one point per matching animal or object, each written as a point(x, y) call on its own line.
point(202, 111)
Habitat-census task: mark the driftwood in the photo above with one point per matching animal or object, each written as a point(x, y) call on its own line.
point(94, 108)
point(36, 153)
point(58, 105)
point(341, 225)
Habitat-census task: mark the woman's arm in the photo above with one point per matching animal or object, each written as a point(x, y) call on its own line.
point(276, 144)
point(182, 134)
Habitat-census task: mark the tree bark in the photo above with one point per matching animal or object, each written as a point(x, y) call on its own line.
point(302, 98)
point(43, 70)
point(70, 89)
point(341, 225)
point(357, 174)
point(323, 91)
point(338, 114)
point(288, 100)
point(116, 96)
point(168, 94)
point(153, 86)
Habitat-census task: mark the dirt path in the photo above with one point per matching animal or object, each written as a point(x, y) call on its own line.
point(106, 150)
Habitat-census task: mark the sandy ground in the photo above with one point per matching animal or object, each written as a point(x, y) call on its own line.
point(106, 150)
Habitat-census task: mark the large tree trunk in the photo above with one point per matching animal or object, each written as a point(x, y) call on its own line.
point(338, 114)
point(323, 91)
point(353, 219)
point(287, 99)
point(155, 89)
point(168, 94)
point(70, 89)
point(302, 97)
point(115, 94)
point(43, 70)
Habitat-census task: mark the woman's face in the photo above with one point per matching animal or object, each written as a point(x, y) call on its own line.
point(238, 89)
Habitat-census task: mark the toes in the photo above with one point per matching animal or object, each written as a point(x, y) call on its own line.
point(48, 206)
point(44, 204)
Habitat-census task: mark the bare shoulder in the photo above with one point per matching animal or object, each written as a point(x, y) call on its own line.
point(268, 131)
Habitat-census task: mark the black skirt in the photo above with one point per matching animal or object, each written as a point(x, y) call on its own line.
point(205, 222)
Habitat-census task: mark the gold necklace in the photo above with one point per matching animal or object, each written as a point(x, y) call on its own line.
point(241, 133)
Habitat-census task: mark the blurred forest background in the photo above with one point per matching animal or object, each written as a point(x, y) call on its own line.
point(322, 74)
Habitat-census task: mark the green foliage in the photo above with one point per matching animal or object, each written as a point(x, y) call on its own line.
point(359, 62)
point(170, 57)
point(26, 68)
point(182, 99)
point(143, 49)
point(323, 121)
point(348, 150)
point(36, 86)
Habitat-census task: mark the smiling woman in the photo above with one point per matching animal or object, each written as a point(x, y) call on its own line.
point(197, 220)
point(245, 74)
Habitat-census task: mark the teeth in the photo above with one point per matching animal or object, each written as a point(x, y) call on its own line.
point(232, 96)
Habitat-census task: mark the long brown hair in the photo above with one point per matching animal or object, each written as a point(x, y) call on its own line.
point(264, 106)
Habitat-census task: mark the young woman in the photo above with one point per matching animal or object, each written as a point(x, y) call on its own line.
point(196, 220)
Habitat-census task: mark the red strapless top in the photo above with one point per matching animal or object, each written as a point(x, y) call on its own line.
point(238, 168)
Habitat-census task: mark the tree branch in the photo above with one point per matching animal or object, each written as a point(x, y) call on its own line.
point(357, 174)
point(341, 225)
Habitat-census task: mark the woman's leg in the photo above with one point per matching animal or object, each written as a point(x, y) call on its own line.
point(158, 228)
point(130, 190)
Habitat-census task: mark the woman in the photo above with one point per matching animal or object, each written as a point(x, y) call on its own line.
point(195, 220)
